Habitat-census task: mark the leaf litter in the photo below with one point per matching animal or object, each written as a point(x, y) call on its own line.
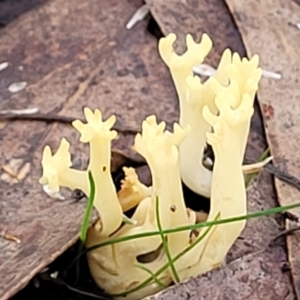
point(246, 260)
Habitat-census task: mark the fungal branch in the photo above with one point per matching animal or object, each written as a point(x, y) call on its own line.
point(181, 66)
point(159, 148)
point(132, 191)
point(116, 265)
point(241, 75)
point(57, 172)
point(228, 196)
point(193, 96)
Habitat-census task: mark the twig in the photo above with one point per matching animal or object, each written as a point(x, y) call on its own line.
point(284, 176)
point(283, 233)
point(59, 281)
point(51, 118)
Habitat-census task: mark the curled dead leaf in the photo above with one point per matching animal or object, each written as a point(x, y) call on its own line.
point(10, 237)
point(15, 171)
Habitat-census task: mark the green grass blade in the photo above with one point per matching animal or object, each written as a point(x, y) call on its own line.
point(262, 213)
point(84, 226)
point(165, 243)
point(88, 210)
point(153, 276)
point(249, 177)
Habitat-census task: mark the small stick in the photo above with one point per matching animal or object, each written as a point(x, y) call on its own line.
point(51, 118)
point(286, 177)
point(283, 233)
point(59, 281)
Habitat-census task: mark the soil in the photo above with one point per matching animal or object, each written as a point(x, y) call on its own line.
point(43, 286)
point(65, 285)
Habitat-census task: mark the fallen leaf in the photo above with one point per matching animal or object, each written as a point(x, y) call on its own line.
point(251, 277)
point(266, 30)
point(214, 18)
point(268, 111)
point(97, 63)
point(15, 171)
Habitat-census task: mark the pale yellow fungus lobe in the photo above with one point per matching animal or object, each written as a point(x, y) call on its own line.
point(132, 190)
point(228, 196)
point(193, 96)
point(99, 135)
point(241, 75)
point(161, 153)
point(57, 170)
point(114, 267)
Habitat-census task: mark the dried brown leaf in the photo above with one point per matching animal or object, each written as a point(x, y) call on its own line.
point(213, 17)
point(86, 57)
point(252, 277)
point(267, 30)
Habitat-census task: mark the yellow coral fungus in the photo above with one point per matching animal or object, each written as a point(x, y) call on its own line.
point(57, 171)
point(116, 265)
point(218, 112)
point(242, 76)
point(132, 190)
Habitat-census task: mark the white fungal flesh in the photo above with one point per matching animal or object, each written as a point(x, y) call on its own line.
point(139, 15)
point(3, 65)
point(52, 194)
point(26, 111)
point(17, 86)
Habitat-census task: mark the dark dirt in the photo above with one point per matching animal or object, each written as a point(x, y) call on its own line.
point(275, 37)
point(12, 9)
point(65, 286)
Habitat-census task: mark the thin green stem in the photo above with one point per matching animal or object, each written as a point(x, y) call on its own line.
point(249, 177)
point(153, 276)
point(89, 209)
point(165, 243)
point(85, 225)
point(263, 213)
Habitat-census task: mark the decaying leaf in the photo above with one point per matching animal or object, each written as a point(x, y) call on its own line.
point(9, 236)
point(15, 170)
point(207, 17)
point(86, 57)
point(104, 65)
point(277, 43)
point(252, 277)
